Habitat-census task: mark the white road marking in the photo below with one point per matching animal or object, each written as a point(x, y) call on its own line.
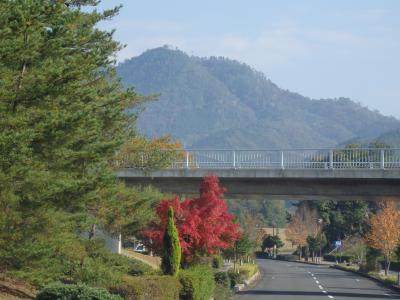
point(358, 280)
point(320, 287)
point(325, 292)
point(317, 282)
point(315, 278)
point(330, 297)
point(309, 272)
point(312, 274)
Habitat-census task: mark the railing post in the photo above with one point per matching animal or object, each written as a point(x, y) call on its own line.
point(187, 160)
point(382, 158)
point(234, 159)
point(282, 161)
point(330, 159)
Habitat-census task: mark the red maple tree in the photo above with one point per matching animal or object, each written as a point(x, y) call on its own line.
point(203, 223)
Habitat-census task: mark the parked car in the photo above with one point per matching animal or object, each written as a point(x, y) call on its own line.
point(140, 248)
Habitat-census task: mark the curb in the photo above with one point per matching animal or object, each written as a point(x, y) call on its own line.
point(304, 262)
point(247, 283)
point(395, 288)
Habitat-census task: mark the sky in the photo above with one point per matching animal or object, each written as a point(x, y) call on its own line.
point(318, 48)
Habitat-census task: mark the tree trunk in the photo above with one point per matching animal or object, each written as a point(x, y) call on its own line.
point(92, 232)
point(387, 265)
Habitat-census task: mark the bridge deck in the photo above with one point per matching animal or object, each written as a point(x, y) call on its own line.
point(306, 184)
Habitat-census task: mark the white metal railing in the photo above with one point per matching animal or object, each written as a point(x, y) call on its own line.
point(345, 158)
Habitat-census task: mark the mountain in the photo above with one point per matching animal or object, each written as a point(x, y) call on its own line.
point(390, 138)
point(221, 103)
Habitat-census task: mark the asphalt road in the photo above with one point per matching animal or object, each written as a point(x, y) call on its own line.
point(287, 280)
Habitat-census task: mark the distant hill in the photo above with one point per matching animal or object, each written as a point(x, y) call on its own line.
point(390, 138)
point(222, 103)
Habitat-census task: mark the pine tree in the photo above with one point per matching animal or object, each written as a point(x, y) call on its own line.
point(172, 252)
point(62, 116)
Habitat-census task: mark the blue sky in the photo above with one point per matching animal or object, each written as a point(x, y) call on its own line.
point(318, 48)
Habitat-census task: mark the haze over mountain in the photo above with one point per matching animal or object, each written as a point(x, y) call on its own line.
point(389, 138)
point(222, 103)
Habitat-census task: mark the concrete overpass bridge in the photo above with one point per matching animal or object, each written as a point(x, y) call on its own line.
point(301, 174)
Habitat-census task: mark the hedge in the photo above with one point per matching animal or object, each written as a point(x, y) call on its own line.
point(197, 283)
point(247, 270)
point(261, 254)
point(60, 291)
point(339, 258)
point(287, 257)
point(217, 262)
point(394, 265)
point(234, 278)
point(222, 278)
point(148, 287)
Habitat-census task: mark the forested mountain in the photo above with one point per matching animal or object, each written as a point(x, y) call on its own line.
point(390, 138)
point(221, 103)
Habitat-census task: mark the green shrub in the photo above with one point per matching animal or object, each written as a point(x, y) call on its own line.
point(234, 278)
point(171, 258)
point(197, 283)
point(261, 254)
point(222, 292)
point(100, 268)
point(121, 264)
point(148, 287)
point(222, 278)
point(217, 262)
point(59, 291)
point(339, 258)
point(394, 265)
point(287, 257)
point(247, 270)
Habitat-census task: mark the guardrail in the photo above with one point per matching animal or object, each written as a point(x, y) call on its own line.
point(345, 158)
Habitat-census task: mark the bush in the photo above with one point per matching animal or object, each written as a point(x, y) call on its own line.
point(222, 292)
point(60, 291)
point(234, 278)
point(197, 283)
point(287, 257)
point(217, 262)
point(394, 265)
point(222, 278)
point(148, 287)
point(100, 267)
point(261, 254)
point(247, 270)
point(339, 258)
point(171, 258)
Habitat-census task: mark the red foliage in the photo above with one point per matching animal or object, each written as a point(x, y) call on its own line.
point(203, 223)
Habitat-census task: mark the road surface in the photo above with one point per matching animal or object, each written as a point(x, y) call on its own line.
point(287, 280)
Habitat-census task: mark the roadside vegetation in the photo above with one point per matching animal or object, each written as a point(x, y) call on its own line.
point(358, 235)
point(66, 125)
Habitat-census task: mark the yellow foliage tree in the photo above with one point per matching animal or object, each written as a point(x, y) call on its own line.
point(384, 234)
point(149, 154)
point(304, 223)
point(296, 232)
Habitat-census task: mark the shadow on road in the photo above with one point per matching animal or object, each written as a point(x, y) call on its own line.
point(303, 293)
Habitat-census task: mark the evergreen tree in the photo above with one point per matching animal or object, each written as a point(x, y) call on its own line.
point(172, 253)
point(62, 118)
